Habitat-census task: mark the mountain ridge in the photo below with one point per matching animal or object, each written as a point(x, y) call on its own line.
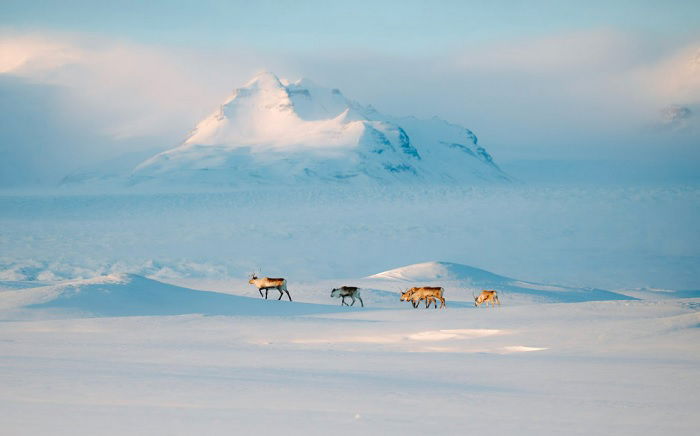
point(276, 131)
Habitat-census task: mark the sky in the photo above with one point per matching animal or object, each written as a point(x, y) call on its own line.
point(556, 91)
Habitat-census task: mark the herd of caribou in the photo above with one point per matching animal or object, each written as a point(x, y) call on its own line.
point(414, 295)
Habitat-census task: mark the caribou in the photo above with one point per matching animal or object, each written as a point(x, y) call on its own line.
point(487, 297)
point(267, 283)
point(427, 293)
point(347, 291)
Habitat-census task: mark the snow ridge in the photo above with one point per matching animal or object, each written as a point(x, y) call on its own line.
point(124, 294)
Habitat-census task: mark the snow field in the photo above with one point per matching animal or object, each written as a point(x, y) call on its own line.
point(613, 367)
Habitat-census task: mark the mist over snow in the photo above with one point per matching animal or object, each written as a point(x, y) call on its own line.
point(603, 237)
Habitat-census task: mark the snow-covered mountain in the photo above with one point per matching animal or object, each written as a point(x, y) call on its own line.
point(274, 131)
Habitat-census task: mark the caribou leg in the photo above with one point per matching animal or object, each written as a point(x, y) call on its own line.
point(342, 301)
point(361, 302)
point(288, 296)
point(281, 294)
point(266, 289)
point(353, 300)
point(260, 290)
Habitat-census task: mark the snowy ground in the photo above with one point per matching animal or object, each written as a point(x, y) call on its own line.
point(188, 347)
point(613, 367)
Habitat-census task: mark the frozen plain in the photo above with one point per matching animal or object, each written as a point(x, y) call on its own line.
point(78, 359)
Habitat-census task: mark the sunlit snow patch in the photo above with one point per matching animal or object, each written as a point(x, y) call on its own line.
point(522, 349)
point(441, 335)
point(428, 335)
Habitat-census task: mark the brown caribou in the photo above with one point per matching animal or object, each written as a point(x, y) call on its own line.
point(347, 291)
point(267, 283)
point(427, 293)
point(486, 296)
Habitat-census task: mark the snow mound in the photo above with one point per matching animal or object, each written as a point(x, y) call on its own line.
point(428, 271)
point(133, 295)
point(659, 294)
point(470, 280)
point(272, 131)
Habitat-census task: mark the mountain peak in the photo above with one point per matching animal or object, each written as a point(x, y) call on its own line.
point(264, 79)
point(281, 132)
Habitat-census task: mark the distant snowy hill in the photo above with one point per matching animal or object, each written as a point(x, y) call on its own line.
point(460, 281)
point(134, 295)
point(272, 131)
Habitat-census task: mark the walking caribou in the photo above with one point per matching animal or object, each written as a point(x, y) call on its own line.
point(347, 291)
point(487, 297)
point(427, 293)
point(267, 283)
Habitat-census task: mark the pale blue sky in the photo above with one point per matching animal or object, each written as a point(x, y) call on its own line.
point(375, 25)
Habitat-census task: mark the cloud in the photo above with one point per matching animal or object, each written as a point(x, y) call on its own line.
point(32, 55)
point(125, 90)
point(72, 101)
point(134, 90)
point(604, 66)
point(677, 77)
point(582, 94)
point(583, 52)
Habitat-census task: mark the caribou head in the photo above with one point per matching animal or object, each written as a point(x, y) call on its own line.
point(252, 277)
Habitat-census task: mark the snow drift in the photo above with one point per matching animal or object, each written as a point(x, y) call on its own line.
point(133, 295)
